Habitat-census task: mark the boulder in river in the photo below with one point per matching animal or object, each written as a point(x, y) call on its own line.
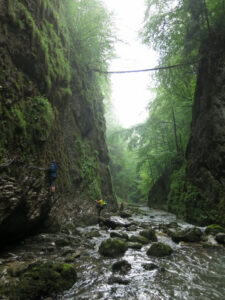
point(113, 247)
point(159, 250)
point(41, 280)
point(136, 246)
point(124, 214)
point(119, 280)
point(150, 267)
point(220, 238)
point(214, 229)
point(187, 235)
point(149, 234)
point(138, 239)
point(113, 224)
point(121, 266)
point(123, 236)
point(91, 234)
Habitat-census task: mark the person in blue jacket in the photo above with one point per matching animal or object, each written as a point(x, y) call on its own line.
point(53, 171)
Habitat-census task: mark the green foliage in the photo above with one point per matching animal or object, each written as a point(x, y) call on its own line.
point(88, 166)
point(122, 165)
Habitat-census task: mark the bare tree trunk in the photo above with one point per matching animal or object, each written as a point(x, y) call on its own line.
point(207, 17)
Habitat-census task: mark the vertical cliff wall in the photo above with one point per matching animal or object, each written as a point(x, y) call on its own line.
point(206, 147)
point(50, 108)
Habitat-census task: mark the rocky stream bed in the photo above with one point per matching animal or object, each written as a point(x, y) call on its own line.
point(145, 254)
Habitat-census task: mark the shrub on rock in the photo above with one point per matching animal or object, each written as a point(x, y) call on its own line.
point(113, 247)
point(159, 250)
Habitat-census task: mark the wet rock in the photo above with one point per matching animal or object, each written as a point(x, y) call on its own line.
point(188, 235)
point(138, 239)
point(91, 234)
point(136, 246)
point(149, 234)
point(150, 267)
point(121, 266)
point(113, 224)
point(220, 238)
point(61, 242)
point(123, 236)
point(113, 247)
point(119, 280)
point(173, 225)
point(42, 280)
point(159, 250)
point(17, 268)
point(124, 214)
point(67, 250)
point(132, 228)
point(71, 258)
point(214, 229)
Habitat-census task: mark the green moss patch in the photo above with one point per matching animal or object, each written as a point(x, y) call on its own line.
point(159, 250)
point(113, 247)
point(42, 280)
point(214, 229)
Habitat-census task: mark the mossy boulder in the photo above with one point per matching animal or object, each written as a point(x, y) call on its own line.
point(159, 250)
point(113, 247)
point(121, 266)
point(42, 280)
point(149, 234)
point(150, 267)
point(220, 238)
point(214, 229)
point(188, 235)
point(135, 246)
point(138, 239)
point(123, 236)
point(124, 214)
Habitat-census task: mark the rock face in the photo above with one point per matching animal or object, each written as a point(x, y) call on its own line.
point(206, 150)
point(47, 111)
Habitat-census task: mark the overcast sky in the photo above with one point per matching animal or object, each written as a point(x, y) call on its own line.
point(129, 91)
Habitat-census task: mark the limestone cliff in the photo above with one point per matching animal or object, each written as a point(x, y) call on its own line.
point(51, 107)
point(206, 148)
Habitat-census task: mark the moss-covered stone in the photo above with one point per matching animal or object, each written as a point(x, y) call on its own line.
point(135, 246)
point(121, 266)
point(138, 239)
point(113, 247)
point(149, 234)
point(187, 235)
point(214, 229)
point(42, 280)
point(159, 250)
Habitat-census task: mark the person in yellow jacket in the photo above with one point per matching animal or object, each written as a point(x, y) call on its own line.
point(100, 204)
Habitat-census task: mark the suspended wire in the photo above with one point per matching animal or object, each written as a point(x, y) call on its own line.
point(146, 70)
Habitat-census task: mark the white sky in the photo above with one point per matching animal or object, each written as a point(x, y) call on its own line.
point(129, 91)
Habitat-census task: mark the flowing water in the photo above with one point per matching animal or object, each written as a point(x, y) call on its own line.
point(191, 272)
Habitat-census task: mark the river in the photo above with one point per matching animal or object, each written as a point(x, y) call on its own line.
point(191, 272)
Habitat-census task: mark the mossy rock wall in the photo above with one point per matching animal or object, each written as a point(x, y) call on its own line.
point(51, 107)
